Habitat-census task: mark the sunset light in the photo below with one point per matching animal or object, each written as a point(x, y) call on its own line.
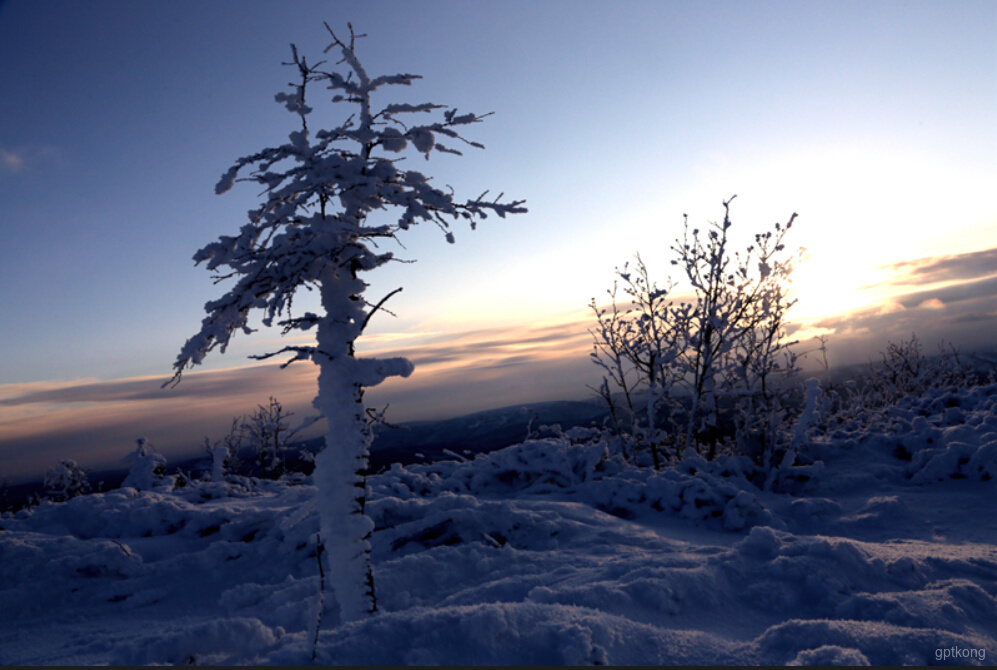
point(886, 160)
point(498, 332)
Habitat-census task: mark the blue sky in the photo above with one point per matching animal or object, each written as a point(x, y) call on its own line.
point(873, 121)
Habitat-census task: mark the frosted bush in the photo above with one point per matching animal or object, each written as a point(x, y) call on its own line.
point(716, 492)
point(899, 383)
point(66, 480)
point(147, 468)
point(268, 431)
point(713, 371)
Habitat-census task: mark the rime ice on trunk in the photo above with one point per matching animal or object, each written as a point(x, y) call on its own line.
point(339, 468)
point(312, 231)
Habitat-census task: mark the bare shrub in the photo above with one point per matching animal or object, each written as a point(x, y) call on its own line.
point(718, 366)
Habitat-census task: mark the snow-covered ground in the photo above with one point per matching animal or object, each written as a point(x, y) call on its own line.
point(881, 549)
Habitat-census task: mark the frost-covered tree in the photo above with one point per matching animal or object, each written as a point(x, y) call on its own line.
point(314, 230)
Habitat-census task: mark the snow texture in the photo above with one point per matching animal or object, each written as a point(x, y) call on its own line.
point(549, 552)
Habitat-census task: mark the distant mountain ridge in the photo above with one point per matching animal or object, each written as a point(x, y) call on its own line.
point(481, 432)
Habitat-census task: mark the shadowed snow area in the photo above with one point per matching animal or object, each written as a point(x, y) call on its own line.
point(877, 548)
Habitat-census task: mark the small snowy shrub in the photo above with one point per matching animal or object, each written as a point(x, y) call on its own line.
point(147, 469)
point(268, 431)
point(903, 377)
point(258, 444)
point(957, 460)
point(219, 463)
point(314, 230)
point(224, 453)
point(906, 371)
point(66, 480)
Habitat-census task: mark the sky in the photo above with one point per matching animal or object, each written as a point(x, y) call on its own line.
point(873, 121)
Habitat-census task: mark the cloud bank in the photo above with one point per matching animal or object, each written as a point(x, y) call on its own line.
point(97, 422)
point(971, 266)
point(950, 298)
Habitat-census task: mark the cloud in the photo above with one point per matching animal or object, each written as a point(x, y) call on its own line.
point(500, 346)
point(934, 269)
point(11, 161)
point(965, 292)
point(11, 390)
point(964, 314)
point(96, 423)
point(22, 159)
point(891, 307)
point(949, 298)
point(196, 386)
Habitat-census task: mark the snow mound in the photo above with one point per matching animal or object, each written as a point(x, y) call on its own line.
point(944, 435)
point(830, 654)
point(802, 642)
point(234, 641)
point(703, 492)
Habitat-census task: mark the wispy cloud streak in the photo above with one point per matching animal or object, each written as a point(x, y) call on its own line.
point(970, 266)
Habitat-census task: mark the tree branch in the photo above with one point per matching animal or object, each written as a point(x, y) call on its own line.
point(377, 307)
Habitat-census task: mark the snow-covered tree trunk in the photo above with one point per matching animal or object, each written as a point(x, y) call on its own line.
point(340, 467)
point(345, 528)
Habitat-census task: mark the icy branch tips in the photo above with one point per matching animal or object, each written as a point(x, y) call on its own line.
point(312, 231)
